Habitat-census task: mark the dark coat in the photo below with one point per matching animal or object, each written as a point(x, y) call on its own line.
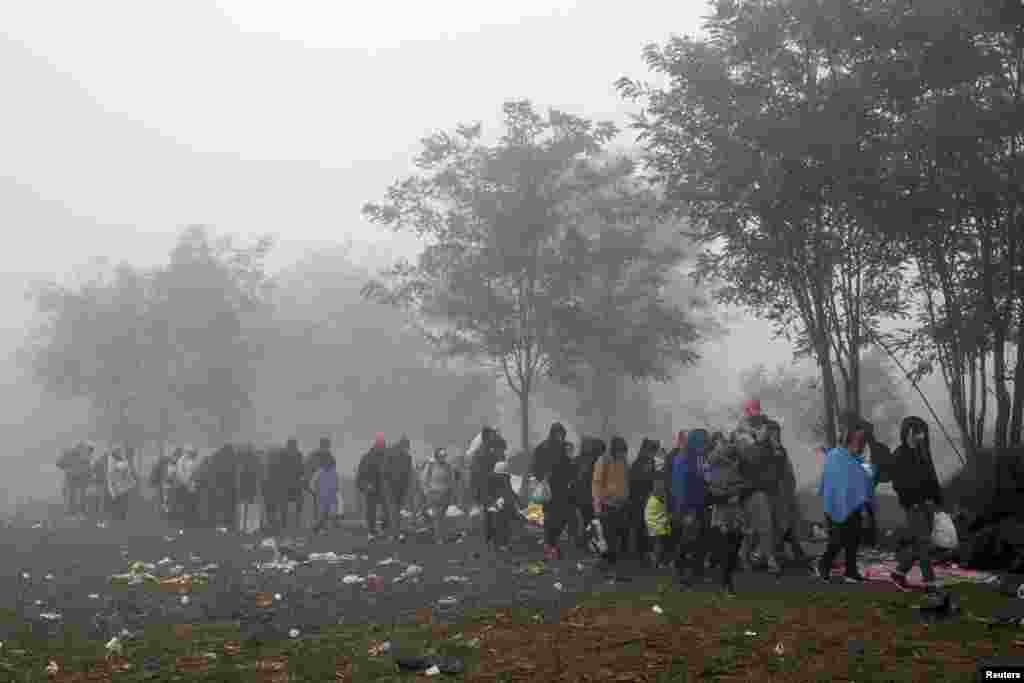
point(913, 476)
point(641, 477)
point(370, 470)
point(396, 470)
point(551, 461)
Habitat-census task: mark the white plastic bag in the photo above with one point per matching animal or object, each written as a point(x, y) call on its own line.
point(540, 492)
point(597, 540)
point(944, 532)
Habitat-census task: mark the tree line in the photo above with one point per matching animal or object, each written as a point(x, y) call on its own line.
point(839, 163)
point(833, 166)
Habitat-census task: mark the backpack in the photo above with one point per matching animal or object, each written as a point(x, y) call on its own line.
point(723, 477)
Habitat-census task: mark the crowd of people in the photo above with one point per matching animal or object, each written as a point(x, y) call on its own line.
point(728, 500)
point(723, 499)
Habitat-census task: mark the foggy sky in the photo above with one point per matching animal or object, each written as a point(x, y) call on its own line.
point(123, 121)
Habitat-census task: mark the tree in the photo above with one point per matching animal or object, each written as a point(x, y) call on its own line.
point(92, 343)
point(153, 349)
point(198, 314)
point(621, 325)
point(490, 284)
point(337, 365)
point(761, 138)
point(793, 397)
point(953, 82)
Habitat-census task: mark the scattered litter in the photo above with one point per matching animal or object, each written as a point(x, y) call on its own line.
point(432, 671)
point(386, 562)
point(113, 646)
point(456, 579)
point(780, 649)
point(412, 570)
point(51, 616)
point(1020, 591)
point(164, 561)
point(657, 610)
point(94, 596)
point(269, 543)
point(330, 557)
point(750, 633)
point(294, 633)
point(380, 648)
point(48, 577)
point(52, 668)
point(277, 596)
point(222, 529)
point(185, 600)
point(559, 586)
point(448, 602)
point(352, 579)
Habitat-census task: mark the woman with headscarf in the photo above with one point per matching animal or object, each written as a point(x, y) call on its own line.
point(641, 483)
point(917, 486)
point(610, 490)
point(846, 488)
point(689, 508)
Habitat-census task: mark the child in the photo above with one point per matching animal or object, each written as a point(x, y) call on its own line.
point(502, 507)
point(659, 527)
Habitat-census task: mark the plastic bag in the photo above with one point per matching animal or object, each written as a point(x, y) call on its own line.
point(944, 532)
point(540, 492)
point(598, 543)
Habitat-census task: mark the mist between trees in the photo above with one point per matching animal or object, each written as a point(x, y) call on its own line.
point(849, 171)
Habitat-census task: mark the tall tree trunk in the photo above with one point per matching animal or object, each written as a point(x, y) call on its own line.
point(1017, 411)
point(972, 414)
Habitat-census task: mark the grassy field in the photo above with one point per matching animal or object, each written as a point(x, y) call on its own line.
point(819, 636)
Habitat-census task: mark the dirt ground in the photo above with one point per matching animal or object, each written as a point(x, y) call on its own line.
point(571, 633)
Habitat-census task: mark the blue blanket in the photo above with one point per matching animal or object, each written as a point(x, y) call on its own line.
point(846, 484)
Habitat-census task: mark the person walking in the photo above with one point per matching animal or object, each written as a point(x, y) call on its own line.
point(689, 508)
point(368, 481)
point(917, 486)
point(501, 509)
point(326, 486)
point(845, 487)
point(641, 483)
point(438, 491)
point(395, 477)
point(787, 508)
point(610, 490)
point(591, 449)
point(551, 463)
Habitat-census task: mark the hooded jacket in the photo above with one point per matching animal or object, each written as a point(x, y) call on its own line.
point(641, 472)
point(688, 490)
point(845, 484)
point(611, 483)
point(368, 473)
point(912, 469)
point(551, 461)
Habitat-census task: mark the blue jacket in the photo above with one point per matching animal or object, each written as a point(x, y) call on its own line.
point(688, 475)
point(846, 484)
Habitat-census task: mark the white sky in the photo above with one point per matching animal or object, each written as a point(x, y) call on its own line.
point(123, 120)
